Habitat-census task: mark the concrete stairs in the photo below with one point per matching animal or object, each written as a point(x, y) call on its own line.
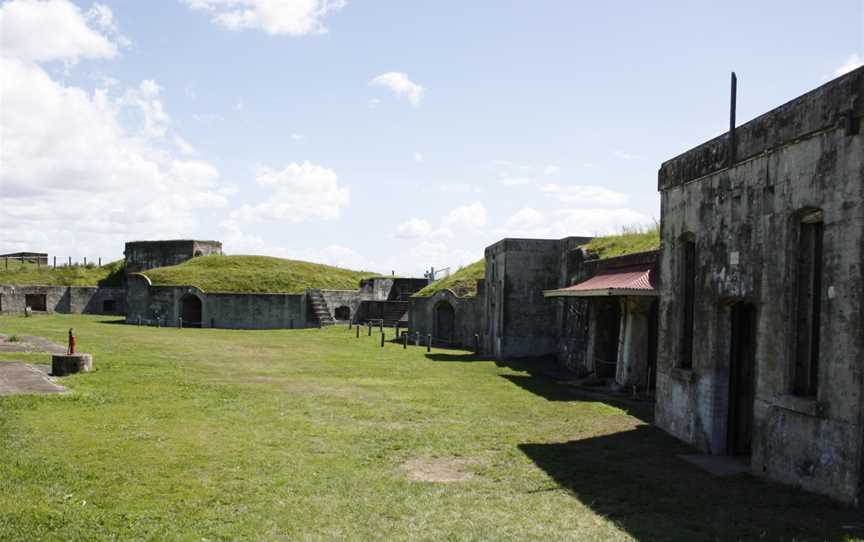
point(320, 312)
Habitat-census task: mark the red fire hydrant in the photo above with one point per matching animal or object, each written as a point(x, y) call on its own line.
point(71, 349)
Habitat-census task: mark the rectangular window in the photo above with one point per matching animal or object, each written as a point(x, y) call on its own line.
point(809, 288)
point(688, 303)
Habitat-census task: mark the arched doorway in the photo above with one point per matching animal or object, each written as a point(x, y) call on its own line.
point(445, 322)
point(342, 313)
point(190, 310)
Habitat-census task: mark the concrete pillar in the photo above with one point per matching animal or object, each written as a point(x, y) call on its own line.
point(632, 368)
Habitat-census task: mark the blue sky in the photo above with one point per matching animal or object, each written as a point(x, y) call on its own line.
point(385, 135)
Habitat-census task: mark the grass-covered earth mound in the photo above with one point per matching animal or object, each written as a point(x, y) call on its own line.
point(463, 282)
point(218, 273)
point(627, 242)
point(30, 274)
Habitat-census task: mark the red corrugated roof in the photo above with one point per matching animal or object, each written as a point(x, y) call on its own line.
point(634, 280)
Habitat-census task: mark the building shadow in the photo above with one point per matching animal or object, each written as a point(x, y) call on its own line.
point(551, 390)
point(116, 321)
point(457, 358)
point(636, 480)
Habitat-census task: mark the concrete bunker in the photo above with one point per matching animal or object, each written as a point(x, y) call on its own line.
point(761, 345)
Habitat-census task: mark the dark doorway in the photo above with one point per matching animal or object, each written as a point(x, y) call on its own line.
point(342, 313)
point(108, 306)
point(607, 325)
point(190, 310)
point(36, 302)
point(742, 379)
point(445, 322)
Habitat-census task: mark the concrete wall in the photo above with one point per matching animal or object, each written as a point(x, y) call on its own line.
point(143, 255)
point(345, 298)
point(744, 219)
point(520, 322)
point(222, 310)
point(468, 311)
point(244, 310)
point(64, 299)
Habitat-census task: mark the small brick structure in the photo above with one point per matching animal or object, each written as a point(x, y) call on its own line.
point(66, 364)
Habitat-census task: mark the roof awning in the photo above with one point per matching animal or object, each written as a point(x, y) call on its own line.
point(635, 280)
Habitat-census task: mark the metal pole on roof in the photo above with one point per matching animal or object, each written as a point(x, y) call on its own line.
point(732, 106)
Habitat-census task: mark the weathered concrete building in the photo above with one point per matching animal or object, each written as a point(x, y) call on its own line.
point(150, 303)
point(143, 255)
point(519, 321)
point(62, 299)
point(761, 346)
point(609, 321)
point(451, 319)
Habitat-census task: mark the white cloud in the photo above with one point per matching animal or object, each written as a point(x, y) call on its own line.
point(516, 181)
point(298, 137)
point(459, 188)
point(56, 30)
point(373, 103)
point(152, 114)
point(470, 217)
point(596, 221)
point(625, 156)
point(184, 146)
point(551, 169)
point(291, 17)
point(300, 192)
point(528, 222)
point(63, 144)
point(418, 158)
point(239, 106)
point(400, 85)
point(853, 62)
point(414, 228)
point(428, 254)
point(585, 194)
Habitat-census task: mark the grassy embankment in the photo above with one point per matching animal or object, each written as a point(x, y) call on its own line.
point(256, 274)
point(463, 282)
point(110, 274)
point(629, 241)
point(211, 434)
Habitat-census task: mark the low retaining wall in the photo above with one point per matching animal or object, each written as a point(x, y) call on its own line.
point(63, 299)
point(149, 303)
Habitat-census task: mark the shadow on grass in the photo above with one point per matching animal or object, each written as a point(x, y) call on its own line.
point(550, 390)
point(118, 321)
point(636, 480)
point(458, 358)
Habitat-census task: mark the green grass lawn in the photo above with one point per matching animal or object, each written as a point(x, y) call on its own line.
point(206, 434)
point(218, 273)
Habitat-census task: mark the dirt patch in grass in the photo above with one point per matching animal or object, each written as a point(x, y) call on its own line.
point(439, 469)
